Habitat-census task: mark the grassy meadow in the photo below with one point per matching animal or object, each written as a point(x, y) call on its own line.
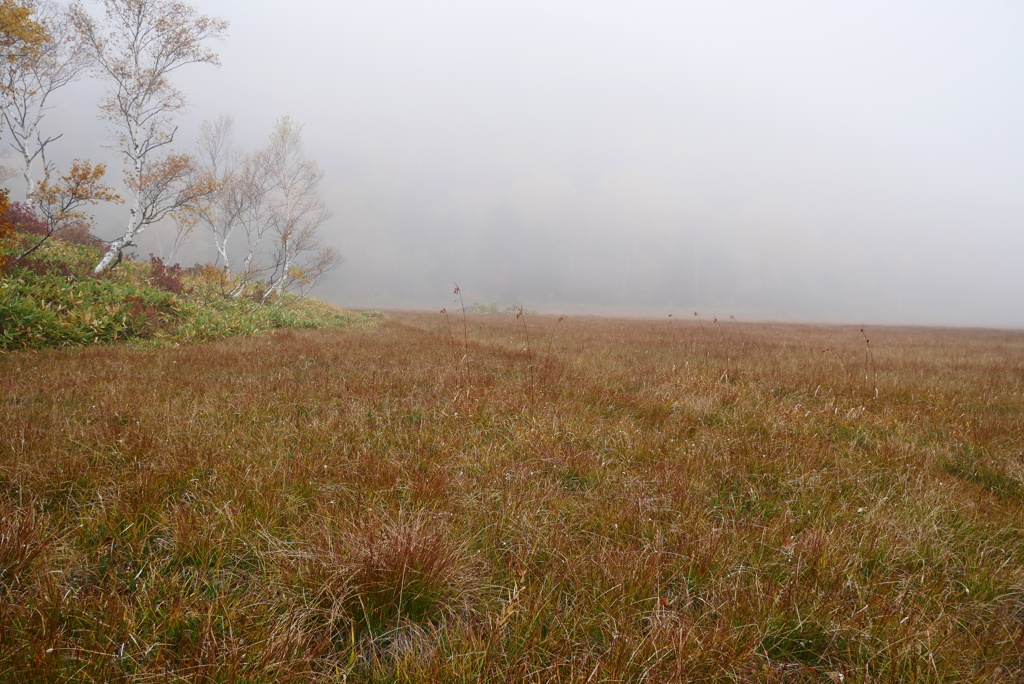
point(522, 500)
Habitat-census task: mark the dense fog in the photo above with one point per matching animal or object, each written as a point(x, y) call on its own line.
point(841, 161)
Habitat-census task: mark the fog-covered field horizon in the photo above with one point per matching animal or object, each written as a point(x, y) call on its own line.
point(849, 162)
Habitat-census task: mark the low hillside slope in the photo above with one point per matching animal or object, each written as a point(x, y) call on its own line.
point(50, 298)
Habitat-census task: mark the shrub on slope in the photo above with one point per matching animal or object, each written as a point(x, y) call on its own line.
point(52, 299)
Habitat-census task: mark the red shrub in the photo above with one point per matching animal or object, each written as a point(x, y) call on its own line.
point(165, 277)
point(23, 219)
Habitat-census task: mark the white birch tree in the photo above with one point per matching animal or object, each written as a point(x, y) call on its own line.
point(265, 210)
point(137, 46)
point(29, 81)
point(239, 200)
point(253, 192)
point(296, 209)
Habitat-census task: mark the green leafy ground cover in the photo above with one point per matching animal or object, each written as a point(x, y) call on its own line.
point(51, 298)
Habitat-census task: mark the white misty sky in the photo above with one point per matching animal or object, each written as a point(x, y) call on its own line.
point(835, 161)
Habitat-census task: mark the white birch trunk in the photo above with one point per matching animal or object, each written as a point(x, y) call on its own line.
point(126, 240)
point(222, 250)
point(30, 181)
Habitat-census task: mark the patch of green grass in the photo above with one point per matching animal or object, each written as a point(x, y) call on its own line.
point(51, 299)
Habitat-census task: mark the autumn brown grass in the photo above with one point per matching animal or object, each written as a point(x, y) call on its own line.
point(348, 505)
